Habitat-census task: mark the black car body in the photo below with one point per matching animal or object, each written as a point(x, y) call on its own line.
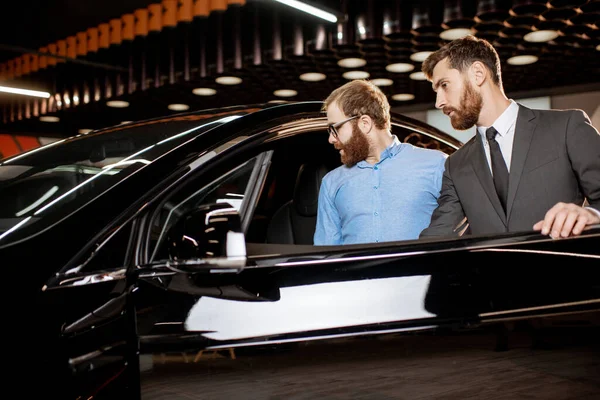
point(192, 233)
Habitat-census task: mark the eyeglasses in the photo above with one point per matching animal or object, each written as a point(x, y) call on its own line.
point(332, 128)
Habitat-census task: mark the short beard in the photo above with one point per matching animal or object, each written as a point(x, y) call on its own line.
point(468, 115)
point(356, 148)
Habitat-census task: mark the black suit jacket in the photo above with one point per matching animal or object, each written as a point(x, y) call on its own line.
point(555, 158)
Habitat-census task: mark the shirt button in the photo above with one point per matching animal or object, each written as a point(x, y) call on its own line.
point(376, 240)
point(376, 213)
point(375, 168)
point(375, 187)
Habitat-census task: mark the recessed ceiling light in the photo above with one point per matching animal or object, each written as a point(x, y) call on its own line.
point(356, 75)
point(418, 76)
point(545, 35)
point(84, 131)
point(117, 103)
point(285, 93)
point(228, 80)
point(399, 67)
point(382, 82)
point(313, 76)
point(178, 107)
point(352, 62)
point(522, 60)
point(420, 56)
point(403, 97)
point(456, 33)
point(204, 91)
point(49, 118)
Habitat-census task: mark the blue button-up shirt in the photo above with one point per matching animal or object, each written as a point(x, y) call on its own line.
point(388, 201)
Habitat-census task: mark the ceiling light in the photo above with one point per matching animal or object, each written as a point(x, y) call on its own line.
point(420, 56)
point(125, 122)
point(285, 93)
point(317, 12)
point(117, 103)
point(178, 107)
point(522, 60)
point(352, 62)
point(26, 92)
point(403, 97)
point(356, 75)
point(84, 131)
point(382, 82)
point(49, 118)
point(598, 47)
point(545, 35)
point(228, 80)
point(204, 91)
point(313, 76)
point(456, 33)
point(418, 76)
point(399, 67)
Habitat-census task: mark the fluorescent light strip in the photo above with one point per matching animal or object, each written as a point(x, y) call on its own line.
point(309, 9)
point(26, 92)
point(14, 228)
point(104, 171)
point(39, 201)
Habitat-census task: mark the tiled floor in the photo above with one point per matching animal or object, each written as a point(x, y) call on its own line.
point(407, 367)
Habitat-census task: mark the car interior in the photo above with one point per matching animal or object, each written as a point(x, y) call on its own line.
point(286, 210)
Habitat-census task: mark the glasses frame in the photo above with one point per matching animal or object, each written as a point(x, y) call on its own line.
point(332, 128)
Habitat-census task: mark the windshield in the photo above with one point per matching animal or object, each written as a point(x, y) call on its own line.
point(62, 176)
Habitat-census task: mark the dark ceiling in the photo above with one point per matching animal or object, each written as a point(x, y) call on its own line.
point(268, 45)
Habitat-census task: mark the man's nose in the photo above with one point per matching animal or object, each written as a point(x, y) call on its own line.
point(332, 139)
point(440, 101)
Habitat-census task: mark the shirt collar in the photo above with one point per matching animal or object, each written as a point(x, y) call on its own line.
point(388, 152)
point(504, 122)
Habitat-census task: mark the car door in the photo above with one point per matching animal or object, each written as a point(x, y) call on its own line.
point(90, 346)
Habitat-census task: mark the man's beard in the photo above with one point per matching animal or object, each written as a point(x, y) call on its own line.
point(355, 149)
point(468, 115)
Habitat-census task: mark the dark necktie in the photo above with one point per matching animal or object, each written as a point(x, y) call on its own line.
point(498, 166)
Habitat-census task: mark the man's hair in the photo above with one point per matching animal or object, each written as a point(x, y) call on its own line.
point(361, 97)
point(463, 52)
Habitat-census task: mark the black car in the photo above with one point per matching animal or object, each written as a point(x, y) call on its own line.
point(133, 253)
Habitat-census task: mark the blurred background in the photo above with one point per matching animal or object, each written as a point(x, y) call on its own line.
point(70, 66)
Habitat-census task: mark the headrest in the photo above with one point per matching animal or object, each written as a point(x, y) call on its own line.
point(306, 191)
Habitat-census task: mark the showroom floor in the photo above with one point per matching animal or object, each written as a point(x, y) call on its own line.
point(400, 367)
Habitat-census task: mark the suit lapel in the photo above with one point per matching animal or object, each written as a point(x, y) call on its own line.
point(482, 169)
point(524, 128)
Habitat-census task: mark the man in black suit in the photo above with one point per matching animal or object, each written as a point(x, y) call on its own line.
point(524, 169)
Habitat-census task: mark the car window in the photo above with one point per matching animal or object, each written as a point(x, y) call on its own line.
point(40, 186)
point(231, 187)
point(108, 254)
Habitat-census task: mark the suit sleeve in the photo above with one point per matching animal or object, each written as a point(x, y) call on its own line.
point(583, 148)
point(328, 230)
point(449, 213)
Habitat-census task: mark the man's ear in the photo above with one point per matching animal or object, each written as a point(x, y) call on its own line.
point(478, 73)
point(365, 123)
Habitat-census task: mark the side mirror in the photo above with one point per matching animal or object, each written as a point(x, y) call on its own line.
point(207, 238)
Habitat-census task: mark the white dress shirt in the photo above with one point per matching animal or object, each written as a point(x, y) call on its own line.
point(505, 125)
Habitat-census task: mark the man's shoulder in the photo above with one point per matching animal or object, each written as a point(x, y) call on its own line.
point(337, 173)
point(555, 113)
point(423, 152)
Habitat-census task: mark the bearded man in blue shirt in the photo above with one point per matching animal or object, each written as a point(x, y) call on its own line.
point(385, 190)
